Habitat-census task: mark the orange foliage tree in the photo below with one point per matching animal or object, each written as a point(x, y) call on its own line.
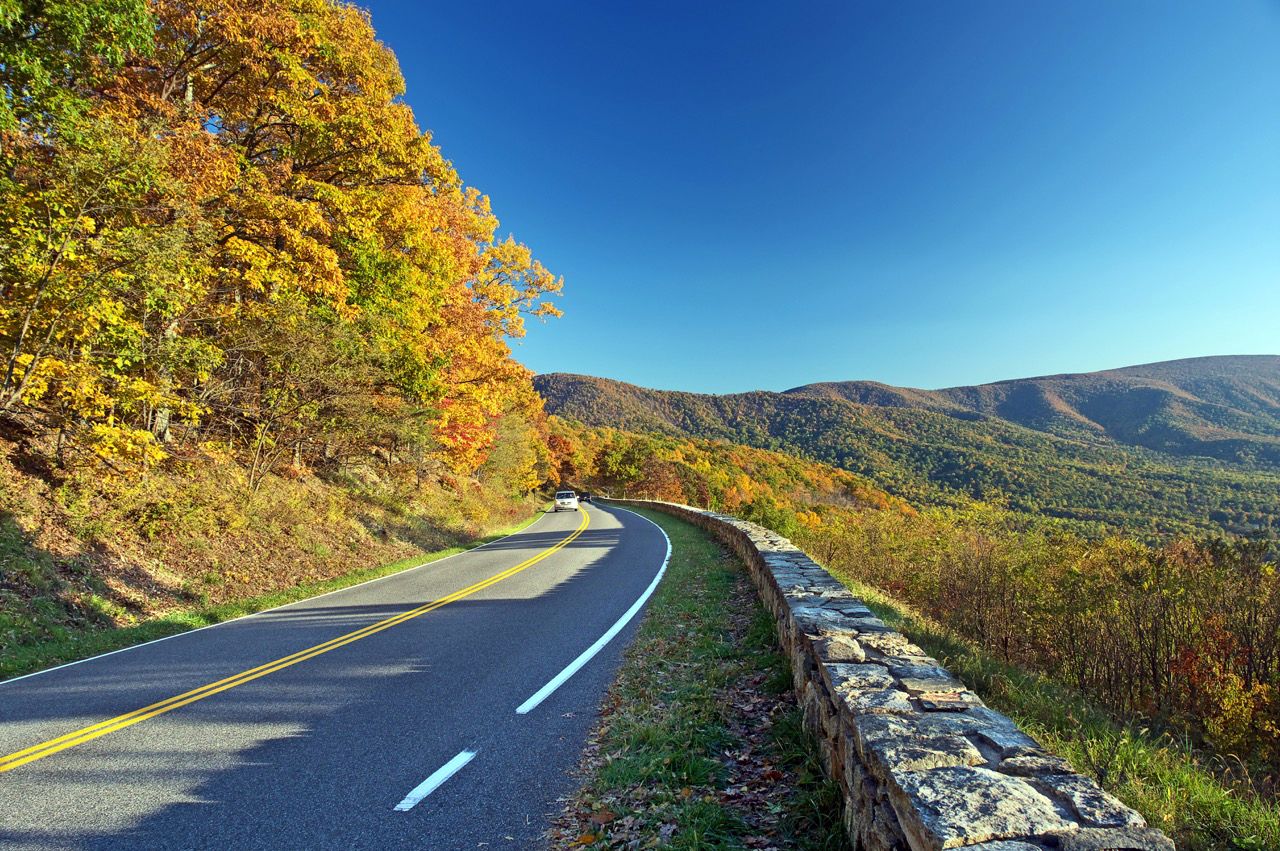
point(236, 230)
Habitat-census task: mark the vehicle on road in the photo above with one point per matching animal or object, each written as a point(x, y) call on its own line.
point(584, 497)
point(567, 500)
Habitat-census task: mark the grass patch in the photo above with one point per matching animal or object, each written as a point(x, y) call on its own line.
point(1157, 774)
point(69, 644)
point(701, 746)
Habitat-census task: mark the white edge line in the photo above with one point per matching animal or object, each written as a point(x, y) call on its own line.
point(431, 563)
point(576, 665)
point(435, 781)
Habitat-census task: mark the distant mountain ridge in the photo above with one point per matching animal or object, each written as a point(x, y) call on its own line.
point(1224, 407)
point(1195, 442)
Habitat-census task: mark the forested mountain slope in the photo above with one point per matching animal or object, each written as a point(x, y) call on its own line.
point(1219, 407)
point(1165, 447)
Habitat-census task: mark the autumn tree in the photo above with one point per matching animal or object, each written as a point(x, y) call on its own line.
point(220, 217)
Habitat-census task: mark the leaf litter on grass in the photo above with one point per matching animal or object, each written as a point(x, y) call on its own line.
point(698, 744)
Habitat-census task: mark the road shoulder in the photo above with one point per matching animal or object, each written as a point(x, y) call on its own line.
point(700, 744)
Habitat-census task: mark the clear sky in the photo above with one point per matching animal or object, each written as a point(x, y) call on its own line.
point(759, 195)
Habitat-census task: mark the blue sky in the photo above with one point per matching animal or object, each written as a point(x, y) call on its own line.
point(760, 195)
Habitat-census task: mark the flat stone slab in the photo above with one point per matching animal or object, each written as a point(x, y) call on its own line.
point(1087, 799)
point(816, 620)
point(1030, 765)
point(877, 701)
point(869, 624)
point(891, 644)
point(1001, 733)
point(919, 753)
point(973, 724)
point(919, 725)
point(1114, 839)
point(850, 676)
point(961, 805)
point(919, 679)
point(849, 608)
point(957, 701)
point(839, 648)
point(820, 592)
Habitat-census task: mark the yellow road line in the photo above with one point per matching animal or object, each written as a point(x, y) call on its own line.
point(85, 734)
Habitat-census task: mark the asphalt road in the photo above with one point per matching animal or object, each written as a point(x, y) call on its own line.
point(273, 747)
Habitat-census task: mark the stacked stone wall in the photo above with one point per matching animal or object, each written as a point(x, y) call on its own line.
point(921, 762)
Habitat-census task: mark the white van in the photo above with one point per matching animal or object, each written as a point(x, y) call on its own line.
point(566, 499)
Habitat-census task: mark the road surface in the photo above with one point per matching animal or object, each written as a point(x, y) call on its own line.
point(380, 716)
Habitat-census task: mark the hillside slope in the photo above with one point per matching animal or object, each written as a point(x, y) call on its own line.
point(1164, 447)
point(742, 480)
point(1217, 407)
point(87, 553)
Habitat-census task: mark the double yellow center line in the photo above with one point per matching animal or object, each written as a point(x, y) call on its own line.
point(102, 728)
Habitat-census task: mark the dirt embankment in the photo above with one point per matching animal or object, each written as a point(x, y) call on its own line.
point(84, 547)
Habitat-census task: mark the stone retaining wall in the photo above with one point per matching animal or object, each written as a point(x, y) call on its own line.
point(922, 763)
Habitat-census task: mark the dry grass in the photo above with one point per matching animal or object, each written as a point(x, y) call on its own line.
point(92, 560)
point(701, 745)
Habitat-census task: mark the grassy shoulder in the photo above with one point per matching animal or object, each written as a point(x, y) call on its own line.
point(701, 745)
point(1158, 775)
point(36, 631)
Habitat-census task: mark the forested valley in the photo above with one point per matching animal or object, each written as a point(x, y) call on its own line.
point(1181, 631)
point(1174, 448)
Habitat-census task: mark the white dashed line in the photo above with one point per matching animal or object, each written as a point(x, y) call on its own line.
point(435, 781)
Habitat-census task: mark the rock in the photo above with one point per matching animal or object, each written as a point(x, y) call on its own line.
point(845, 676)
point(920, 753)
point(818, 621)
point(890, 661)
point(1030, 765)
point(956, 701)
point(850, 609)
point(869, 623)
point(887, 742)
point(839, 648)
point(1088, 800)
point(1114, 839)
point(979, 724)
point(918, 725)
point(877, 701)
point(918, 679)
point(1001, 733)
point(885, 831)
point(889, 644)
point(962, 805)
point(824, 593)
